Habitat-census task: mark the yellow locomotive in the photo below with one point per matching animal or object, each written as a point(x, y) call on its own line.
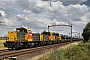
point(23, 37)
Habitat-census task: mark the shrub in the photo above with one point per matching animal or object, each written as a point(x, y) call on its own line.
point(79, 52)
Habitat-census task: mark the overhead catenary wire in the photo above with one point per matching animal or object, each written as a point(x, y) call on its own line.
point(14, 7)
point(21, 4)
point(26, 6)
point(21, 10)
point(13, 13)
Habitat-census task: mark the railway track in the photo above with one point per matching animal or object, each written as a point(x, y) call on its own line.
point(4, 50)
point(5, 54)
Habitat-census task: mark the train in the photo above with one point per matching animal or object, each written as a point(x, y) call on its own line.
point(24, 37)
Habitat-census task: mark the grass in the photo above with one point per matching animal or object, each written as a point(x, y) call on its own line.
point(1, 44)
point(73, 52)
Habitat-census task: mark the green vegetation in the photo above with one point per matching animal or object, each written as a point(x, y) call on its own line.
point(2, 40)
point(74, 52)
point(1, 44)
point(86, 32)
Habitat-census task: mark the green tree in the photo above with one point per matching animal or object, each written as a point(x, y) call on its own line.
point(86, 32)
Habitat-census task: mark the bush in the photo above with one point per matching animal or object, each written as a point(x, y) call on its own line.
point(79, 52)
point(57, 55)
point(76, 53)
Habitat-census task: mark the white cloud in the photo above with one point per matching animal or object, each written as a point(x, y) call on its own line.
point(39, 14)
point(76, 11)
point(2, 13)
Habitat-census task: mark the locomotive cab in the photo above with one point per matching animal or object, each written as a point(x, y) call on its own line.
point(18, 38)
point(57, 36)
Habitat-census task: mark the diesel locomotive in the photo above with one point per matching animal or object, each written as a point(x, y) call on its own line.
point(24, 37)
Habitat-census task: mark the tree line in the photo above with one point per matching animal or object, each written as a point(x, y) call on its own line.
point(86, 32)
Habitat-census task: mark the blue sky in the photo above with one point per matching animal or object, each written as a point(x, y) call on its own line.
point(38, 14)
point(87, 3)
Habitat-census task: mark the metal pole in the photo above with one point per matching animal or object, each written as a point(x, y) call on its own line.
point(48, 28)
point(71, 33)
point(79, 35)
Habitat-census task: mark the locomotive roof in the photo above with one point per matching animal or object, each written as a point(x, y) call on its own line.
point(22, 28)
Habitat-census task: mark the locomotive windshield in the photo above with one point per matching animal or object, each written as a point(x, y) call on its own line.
point(29, 31)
